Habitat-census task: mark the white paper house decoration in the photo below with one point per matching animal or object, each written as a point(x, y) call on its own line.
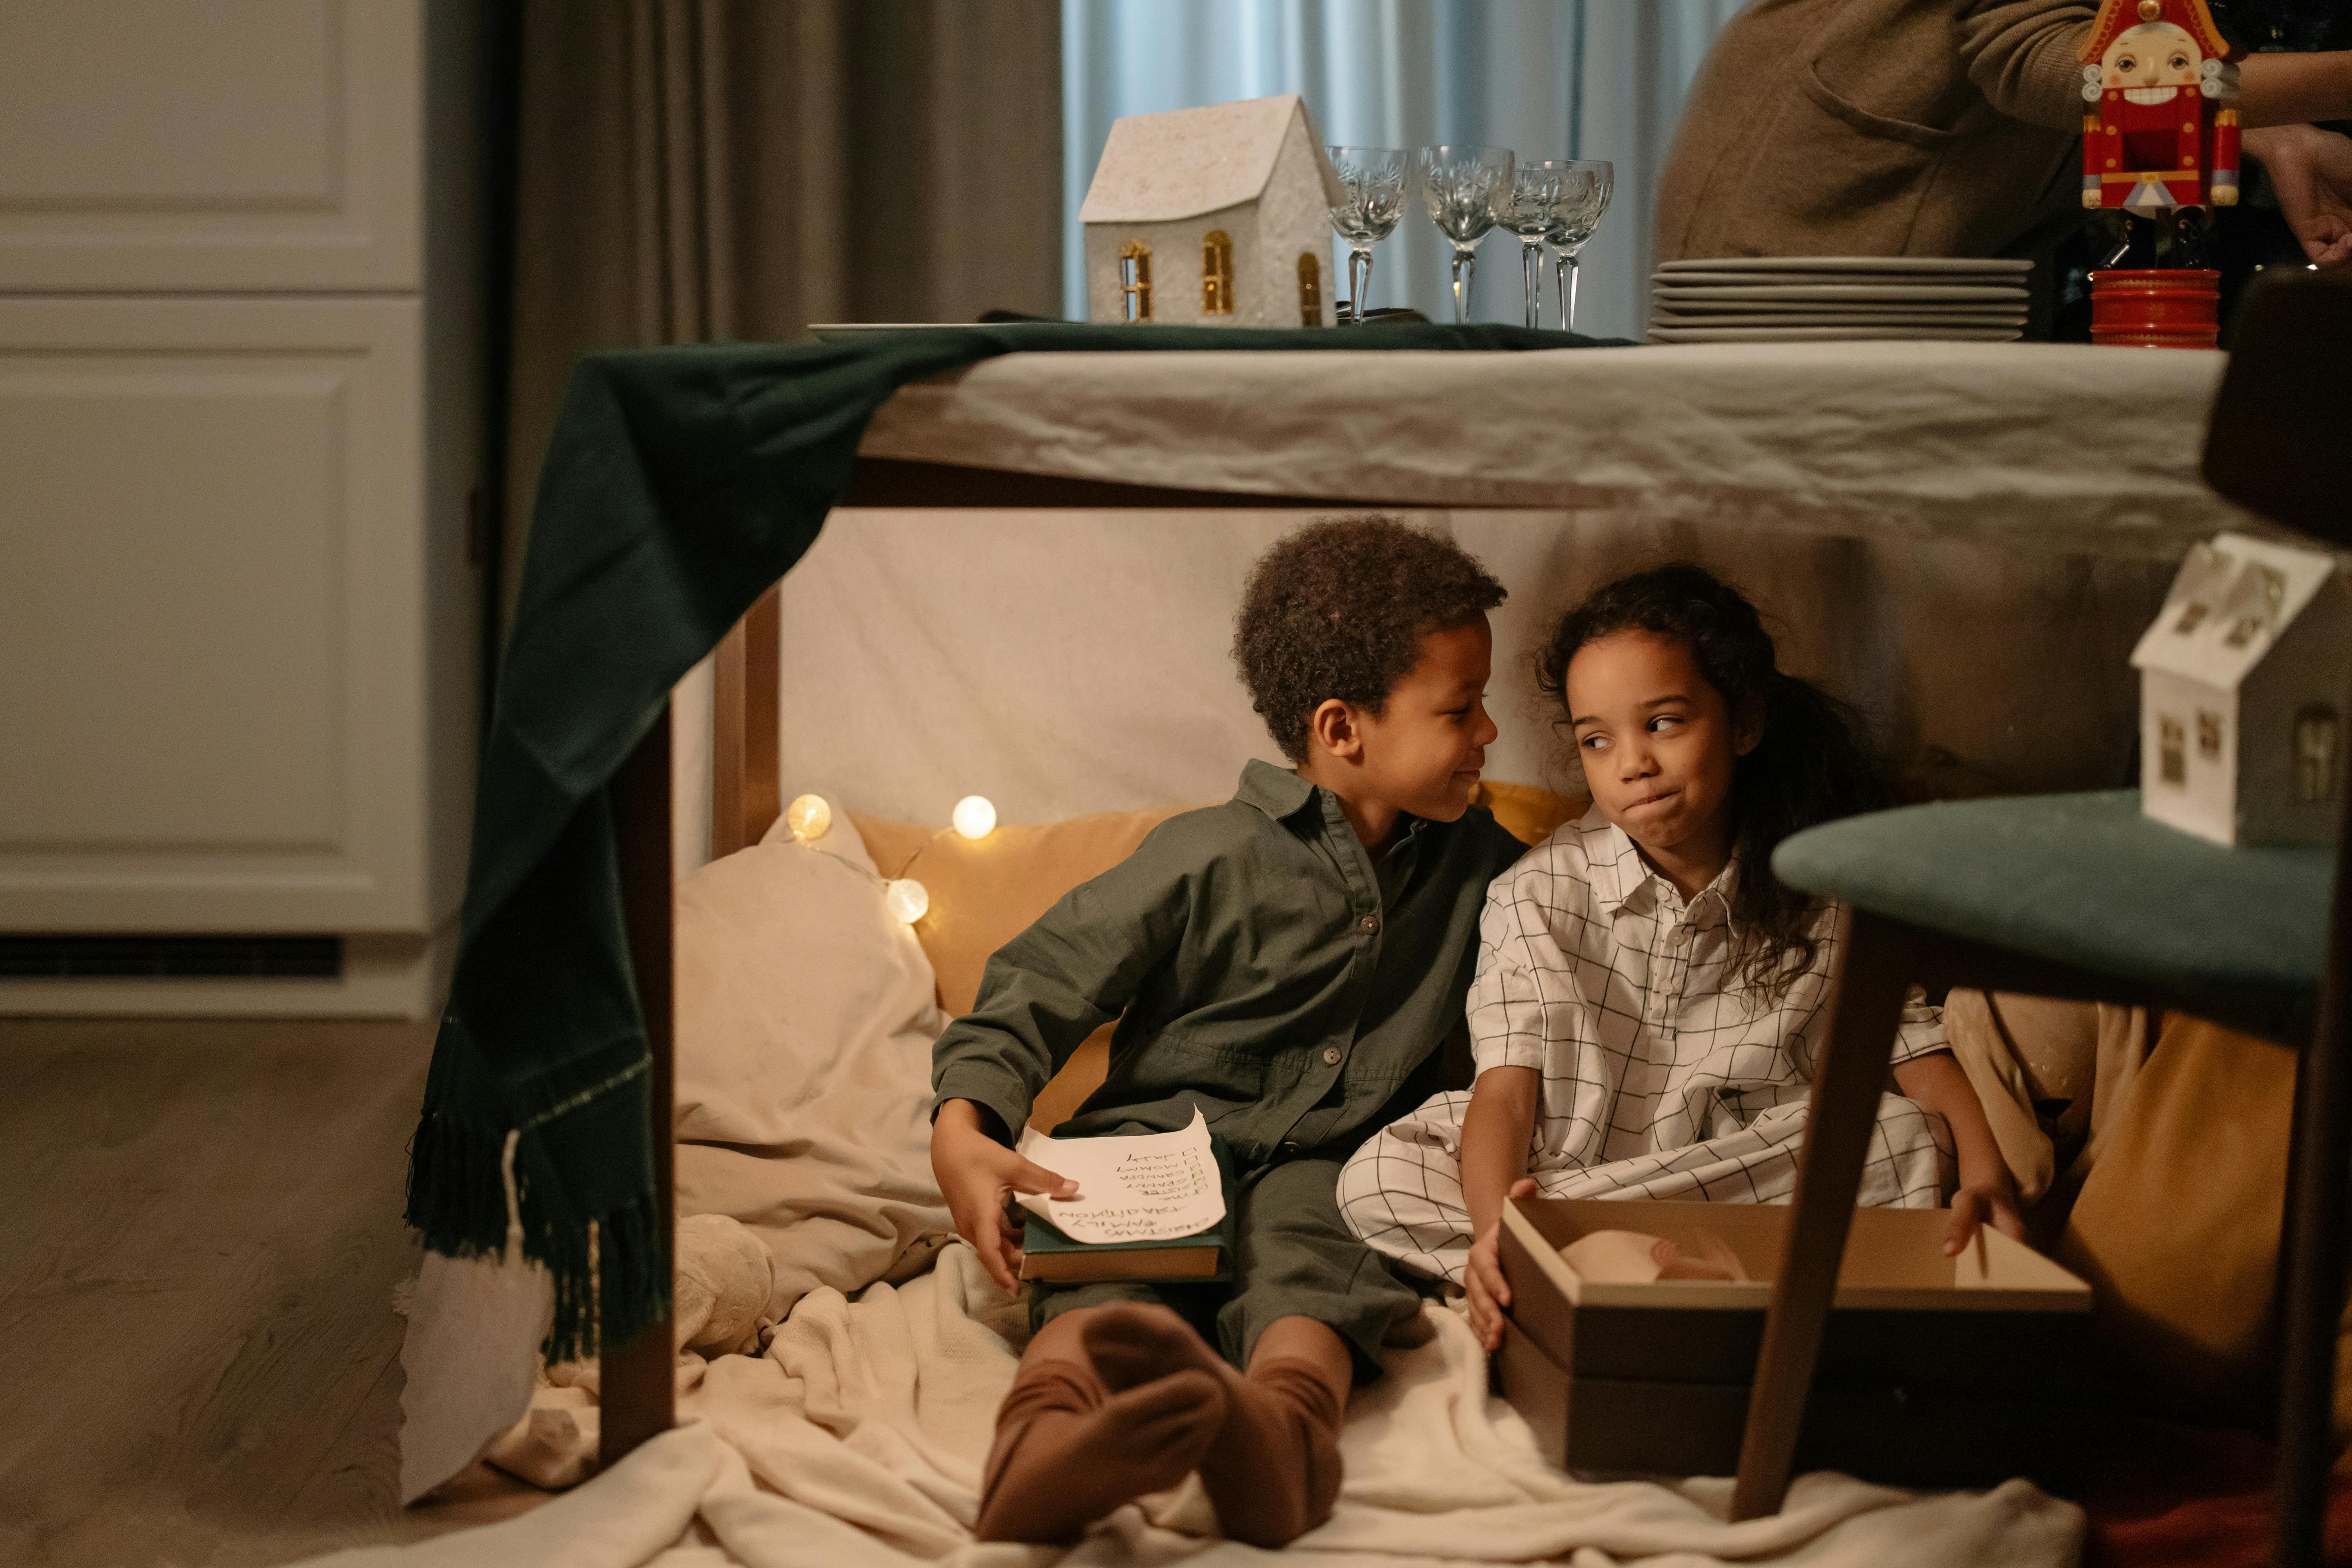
point(1214, 216)
point(2245, 683)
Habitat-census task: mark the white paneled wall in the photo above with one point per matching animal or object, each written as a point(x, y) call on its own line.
point(238, 416)
point(1065, 662)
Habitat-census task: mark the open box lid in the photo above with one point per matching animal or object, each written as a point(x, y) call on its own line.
point(1894, 1258)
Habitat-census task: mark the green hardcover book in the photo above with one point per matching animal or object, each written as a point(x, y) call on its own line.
point(1201, 1257)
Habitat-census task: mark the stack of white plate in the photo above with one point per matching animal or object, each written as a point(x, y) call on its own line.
point(1834, 299)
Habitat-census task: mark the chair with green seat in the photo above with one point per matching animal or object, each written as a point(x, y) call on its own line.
point(2081, 896)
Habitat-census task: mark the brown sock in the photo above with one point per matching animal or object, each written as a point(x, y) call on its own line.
point(1273, 1470)
point(1067, 1452)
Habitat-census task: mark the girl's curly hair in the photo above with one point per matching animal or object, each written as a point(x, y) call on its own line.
point(1814, 763)
point(1339, 609)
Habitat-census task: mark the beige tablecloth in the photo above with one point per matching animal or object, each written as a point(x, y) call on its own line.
point(2055, 447)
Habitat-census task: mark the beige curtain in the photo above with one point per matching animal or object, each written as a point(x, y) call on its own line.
point(703, 170)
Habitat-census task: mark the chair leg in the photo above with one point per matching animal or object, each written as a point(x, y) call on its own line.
point(1850, 1077)
point(2313, 1254)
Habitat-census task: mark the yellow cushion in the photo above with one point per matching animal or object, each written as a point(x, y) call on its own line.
point(2177, 1225)
point(986, 892)
point(1530, 815)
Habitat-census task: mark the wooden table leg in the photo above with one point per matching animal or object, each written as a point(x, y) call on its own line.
point(2313, 1249)
point(743, 758)
point(1849, 1079)
point(636, 1388)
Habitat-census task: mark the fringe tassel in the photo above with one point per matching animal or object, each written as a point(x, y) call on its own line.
point(456, 1199)
point(611, 1282)
point(591, 1217)
point(611, 1270)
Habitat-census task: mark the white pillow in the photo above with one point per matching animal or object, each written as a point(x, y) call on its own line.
point(806, 1017)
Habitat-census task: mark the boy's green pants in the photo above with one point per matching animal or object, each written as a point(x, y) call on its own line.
point(1295, 1257)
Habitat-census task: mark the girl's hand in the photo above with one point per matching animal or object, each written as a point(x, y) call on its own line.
point(1489, 1292)
point(1992, 1202)
point(1986, 1194)
point(978, 1175)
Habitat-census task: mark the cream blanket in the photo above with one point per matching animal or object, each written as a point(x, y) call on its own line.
point(857, 1439)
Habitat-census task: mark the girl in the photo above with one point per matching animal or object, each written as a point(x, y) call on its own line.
point(1649, 998)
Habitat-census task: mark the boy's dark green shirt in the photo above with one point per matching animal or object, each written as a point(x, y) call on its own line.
point(1260, 967)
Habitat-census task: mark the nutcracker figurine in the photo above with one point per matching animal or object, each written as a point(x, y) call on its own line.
point(2160, 143)
point(2159, 138)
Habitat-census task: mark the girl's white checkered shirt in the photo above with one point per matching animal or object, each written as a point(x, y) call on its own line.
point(1662, 1076)
point(1593, 971)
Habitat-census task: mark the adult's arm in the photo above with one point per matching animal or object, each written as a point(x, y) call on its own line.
point(2294, 90)
point(2025, 56)
point(2311, 170)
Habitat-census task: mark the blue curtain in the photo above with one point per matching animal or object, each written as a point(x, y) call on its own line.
point(1549, 79)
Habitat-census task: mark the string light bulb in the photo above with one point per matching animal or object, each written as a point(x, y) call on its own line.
point(809, 817)
point(974, 816)
point(906, 899)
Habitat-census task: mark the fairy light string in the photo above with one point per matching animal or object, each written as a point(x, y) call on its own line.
point(811, 820)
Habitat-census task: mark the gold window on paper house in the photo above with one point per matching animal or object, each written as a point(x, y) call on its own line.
point(2208, 734)
point(1135, 280)
point(1311, 289)
point(1216, 273)
point(2173, 750)
point(2318, 742)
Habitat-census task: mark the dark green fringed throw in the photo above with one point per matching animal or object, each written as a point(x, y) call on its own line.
point(679, 484)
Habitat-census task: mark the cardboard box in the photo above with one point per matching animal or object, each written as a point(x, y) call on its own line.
point(1935, 1371)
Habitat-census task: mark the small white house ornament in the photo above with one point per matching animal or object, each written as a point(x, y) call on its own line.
point(1218, 216)
point(2245, 683)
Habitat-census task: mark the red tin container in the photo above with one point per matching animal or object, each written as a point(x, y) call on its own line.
point(2156, 309)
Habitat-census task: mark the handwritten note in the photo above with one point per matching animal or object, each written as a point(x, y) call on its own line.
point(1151, 1186)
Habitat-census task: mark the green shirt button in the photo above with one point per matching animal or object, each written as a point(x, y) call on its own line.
point(1369, 925)
point(1330, 1056)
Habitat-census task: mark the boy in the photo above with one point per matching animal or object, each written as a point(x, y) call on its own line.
point(1288, 962)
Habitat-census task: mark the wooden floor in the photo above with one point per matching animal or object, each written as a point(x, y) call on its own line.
point(199, 1235)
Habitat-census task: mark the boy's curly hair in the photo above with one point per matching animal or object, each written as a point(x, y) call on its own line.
point(1339, 609)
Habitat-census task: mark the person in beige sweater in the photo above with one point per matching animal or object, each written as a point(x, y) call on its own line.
point(1944, 127)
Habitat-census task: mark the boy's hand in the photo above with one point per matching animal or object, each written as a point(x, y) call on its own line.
point(978, 1175)
point(1992, 1202)
point(1489, 1293)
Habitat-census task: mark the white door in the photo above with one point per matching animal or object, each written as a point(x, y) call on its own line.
point(214, 635)
point(166, 144)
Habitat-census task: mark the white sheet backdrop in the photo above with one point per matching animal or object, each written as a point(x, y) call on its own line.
point(1549, 79)
point(1065, 662)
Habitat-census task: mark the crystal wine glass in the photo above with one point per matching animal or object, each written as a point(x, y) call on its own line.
point(1531, 212)
point(1465, 188)
point(1577, 217)
point(1374, 179)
